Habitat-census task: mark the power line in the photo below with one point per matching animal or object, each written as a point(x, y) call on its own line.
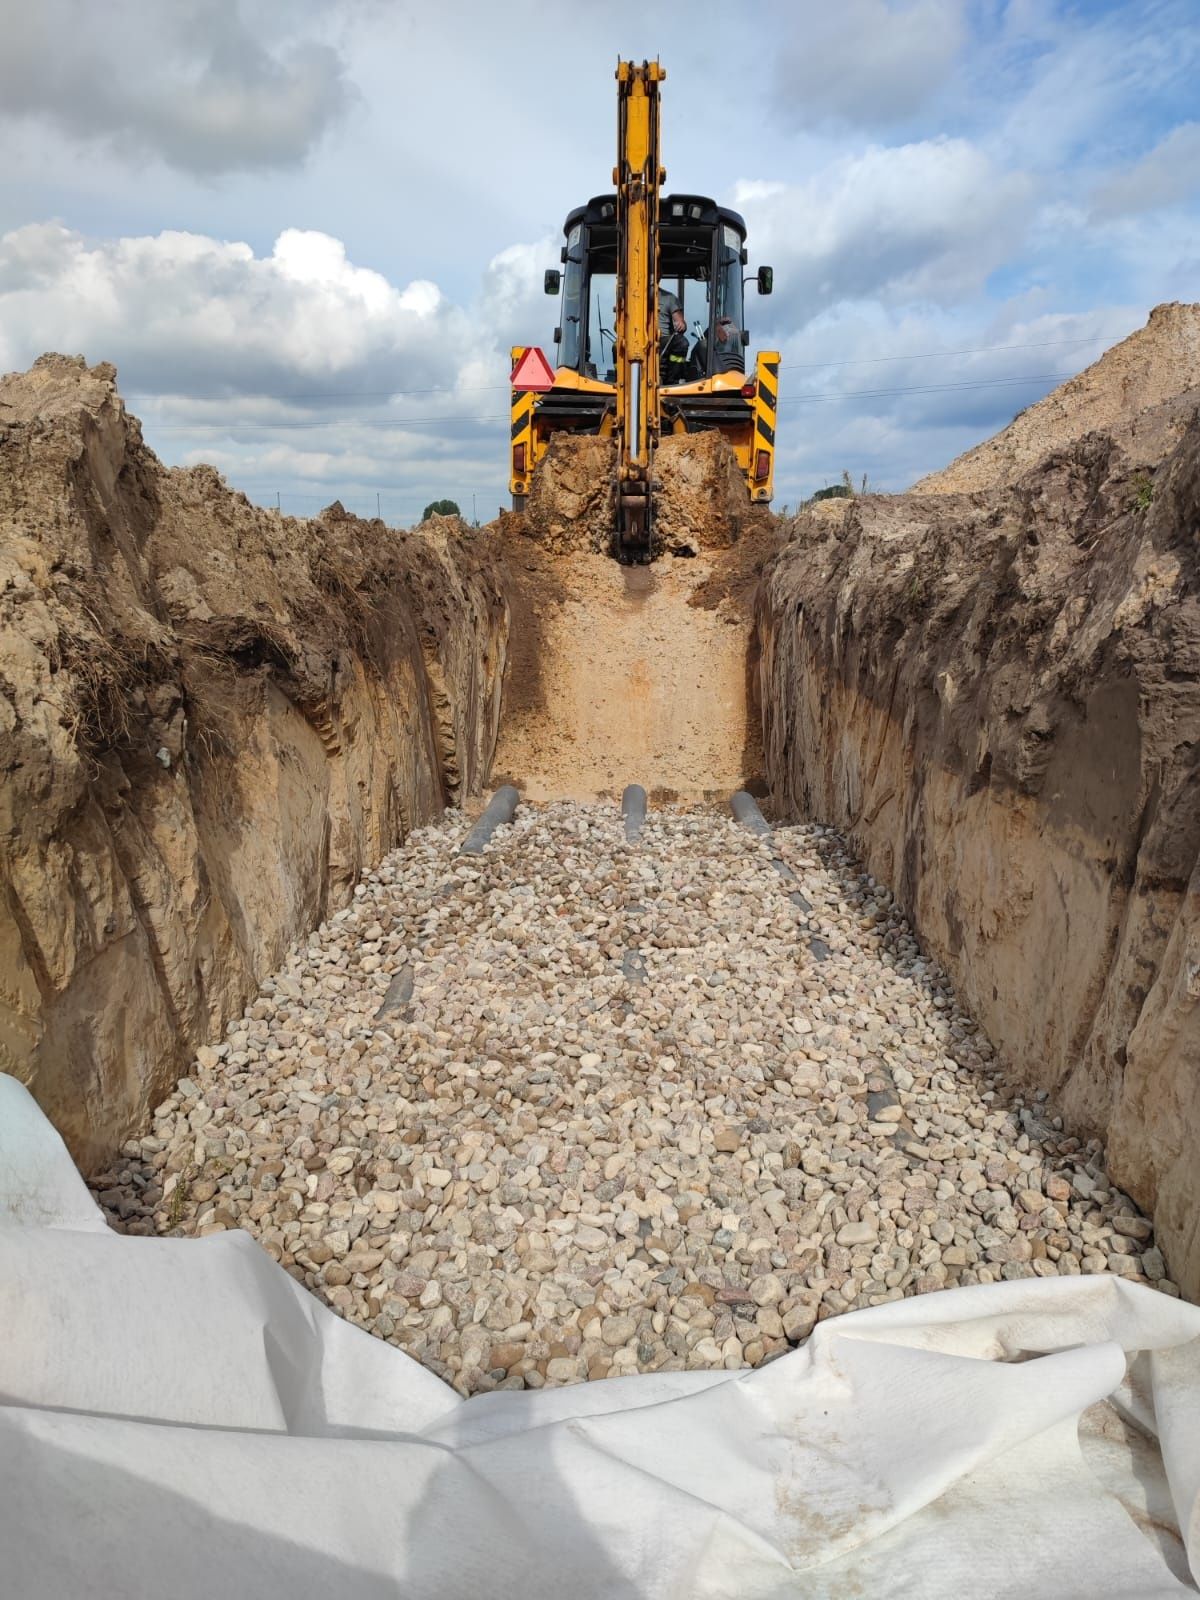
point(328, 496)
point(425, 422)
point(402, 502)
point(932, 388)
point(482, 388)
point(335, 422)
point(928, 355)
point(356, 394)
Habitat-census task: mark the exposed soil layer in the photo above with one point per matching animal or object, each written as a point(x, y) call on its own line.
point(734, 579)
point(633, 674)
point(630, 674)
point(214, 718)
point(998, 696)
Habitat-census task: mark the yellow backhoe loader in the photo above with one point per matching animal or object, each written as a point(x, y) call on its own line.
point(651, 338)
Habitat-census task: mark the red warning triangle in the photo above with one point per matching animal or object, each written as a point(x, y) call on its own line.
point(533, 372)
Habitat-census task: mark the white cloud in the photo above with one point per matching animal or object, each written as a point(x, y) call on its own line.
point(297, 368)
point(1165, 176)
point(291, 369)
point(907, 389)
point(189, 82)
point(869, 63)
point(514, 309)
point(1067, 95)
point(915, 222)
point(183, 312)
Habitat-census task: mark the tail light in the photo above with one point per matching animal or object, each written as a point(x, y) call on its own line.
point(762, 465)
point(749, 390)
point(519, 457)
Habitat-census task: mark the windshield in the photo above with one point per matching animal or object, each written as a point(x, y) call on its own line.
point(601, 359)
point(568, 350)
point(700, 273)
point(729, 352)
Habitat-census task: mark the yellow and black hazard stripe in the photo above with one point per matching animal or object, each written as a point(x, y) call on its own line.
point(521, 435)
point(766, 400)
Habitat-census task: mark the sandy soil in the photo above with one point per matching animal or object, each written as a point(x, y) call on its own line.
point(997, 695)
point(631, 675)
point(213, 719)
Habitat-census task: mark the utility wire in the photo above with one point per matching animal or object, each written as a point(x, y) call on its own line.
point(931, 388)
point(929, 355)
point(356, 394)
point(427, 422)
point(335, 422)
point(787, 366)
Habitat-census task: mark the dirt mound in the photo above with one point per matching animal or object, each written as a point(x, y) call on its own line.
point(1132, 393)
point(998, 696)
point(701, 502)
point(572, 500)
point(214, 717)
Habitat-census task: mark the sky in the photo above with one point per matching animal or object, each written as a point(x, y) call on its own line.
point(308, 234)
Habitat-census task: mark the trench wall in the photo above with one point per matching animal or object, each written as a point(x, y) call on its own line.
point(212, 720)
point(997, 696)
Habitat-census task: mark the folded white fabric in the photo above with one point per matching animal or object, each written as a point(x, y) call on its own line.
point(179, 1418)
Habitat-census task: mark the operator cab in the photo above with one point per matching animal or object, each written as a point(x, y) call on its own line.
point(702, 256)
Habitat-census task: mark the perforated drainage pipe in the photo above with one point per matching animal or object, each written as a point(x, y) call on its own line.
point(499, 809)
point(633, 804)
point(745, 810)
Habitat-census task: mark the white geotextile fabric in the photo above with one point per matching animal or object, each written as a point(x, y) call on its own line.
point(179, 1418)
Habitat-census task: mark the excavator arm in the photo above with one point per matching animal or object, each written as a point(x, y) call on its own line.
point(639, 177)
point(625, 245)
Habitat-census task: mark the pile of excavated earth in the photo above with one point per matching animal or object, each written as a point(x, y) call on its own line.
point(584, 1106)
point(1140, 394)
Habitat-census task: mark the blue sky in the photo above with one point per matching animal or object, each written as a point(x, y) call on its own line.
point(307, 234)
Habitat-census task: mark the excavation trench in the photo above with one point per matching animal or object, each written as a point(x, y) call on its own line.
point(634, 673)
point(223, 722)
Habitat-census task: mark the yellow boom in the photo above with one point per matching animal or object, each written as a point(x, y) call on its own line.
point(638, 176)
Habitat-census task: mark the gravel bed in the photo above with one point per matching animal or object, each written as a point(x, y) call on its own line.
point(580, 1108)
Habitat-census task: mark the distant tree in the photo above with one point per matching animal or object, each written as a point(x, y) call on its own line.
point(835, 491)
point(440, 508)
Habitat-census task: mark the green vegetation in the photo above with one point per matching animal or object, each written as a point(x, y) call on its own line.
point(440, 508)
point(839, 491)
point(180, 1195)
point(1143, 492)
